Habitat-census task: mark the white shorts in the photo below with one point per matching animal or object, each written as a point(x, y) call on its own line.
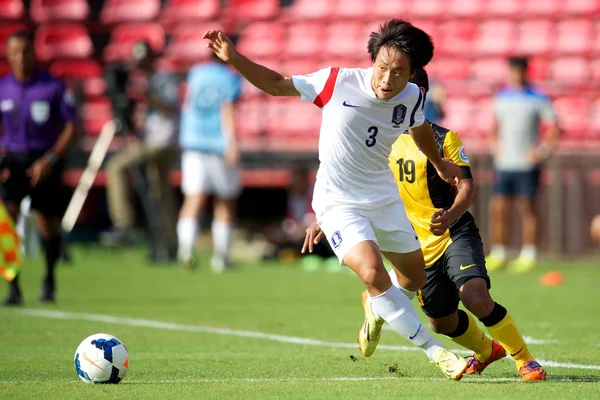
point(208, 174)
point(388, 226)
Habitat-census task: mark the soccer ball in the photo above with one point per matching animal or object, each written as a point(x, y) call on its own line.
point(101, 358)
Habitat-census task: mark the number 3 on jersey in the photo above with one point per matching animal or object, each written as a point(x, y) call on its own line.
point(371, 141)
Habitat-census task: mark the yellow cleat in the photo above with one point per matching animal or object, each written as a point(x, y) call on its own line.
point(494, 263)
point(521, 265)
point(368, 336)
point(452, 366)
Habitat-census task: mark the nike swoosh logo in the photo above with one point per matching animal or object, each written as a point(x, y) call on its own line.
point(346, 104)
point(512, 355)
point(467, 266)
point(416, 333)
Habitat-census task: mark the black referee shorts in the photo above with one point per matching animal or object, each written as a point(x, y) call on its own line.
point(50, 194)
point(462, 261)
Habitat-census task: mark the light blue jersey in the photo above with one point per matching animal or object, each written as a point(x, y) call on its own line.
point(210, 85)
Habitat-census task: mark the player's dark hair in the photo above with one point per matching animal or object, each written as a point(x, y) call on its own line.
point(421, 79)
point(518, 62)
point(402, 36)
point(25, 35)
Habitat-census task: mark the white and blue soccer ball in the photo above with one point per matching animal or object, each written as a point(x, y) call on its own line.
point(101, 358)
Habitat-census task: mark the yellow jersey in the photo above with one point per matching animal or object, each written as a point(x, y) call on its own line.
point(424, 192)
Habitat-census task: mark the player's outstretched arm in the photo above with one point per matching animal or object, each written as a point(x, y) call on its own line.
point(425, 141)
point(265, 79)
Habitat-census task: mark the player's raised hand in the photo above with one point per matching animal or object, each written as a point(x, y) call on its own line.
point(449, 171)
point(220, 44)
point(314, 234)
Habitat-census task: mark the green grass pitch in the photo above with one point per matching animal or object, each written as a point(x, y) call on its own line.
point(271, 331)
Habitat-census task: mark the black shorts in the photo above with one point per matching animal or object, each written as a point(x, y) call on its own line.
point(517, 183)
point(48, 197)
point(462, 261)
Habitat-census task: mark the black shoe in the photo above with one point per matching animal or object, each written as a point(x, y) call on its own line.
point(48, 293)
point(13, 300)
point(119, 238)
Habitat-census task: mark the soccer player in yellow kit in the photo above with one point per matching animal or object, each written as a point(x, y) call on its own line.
point(454, 258)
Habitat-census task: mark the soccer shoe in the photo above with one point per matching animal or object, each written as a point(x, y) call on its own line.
point(494, 263)
point(218, 264)
point(186, 260)
point(452, 366)
point(476, 367)
point(532, 371)
point(48, 294)
point(369, 333)
point(13, 300)
point(521, 265)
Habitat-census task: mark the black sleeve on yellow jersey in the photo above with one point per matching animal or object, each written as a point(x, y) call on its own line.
point(455, 150)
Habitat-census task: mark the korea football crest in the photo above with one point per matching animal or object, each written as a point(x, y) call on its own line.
point(40, 112)
point(336, 239)
point(399, 115)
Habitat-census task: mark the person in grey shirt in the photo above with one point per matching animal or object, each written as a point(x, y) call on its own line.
point(518, 155)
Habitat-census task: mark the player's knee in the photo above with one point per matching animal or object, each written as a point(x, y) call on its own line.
point(374, 275)
point(477, 299)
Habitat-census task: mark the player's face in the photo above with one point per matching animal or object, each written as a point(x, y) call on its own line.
point(20, 56)
point(517, 76)
point(391, 72)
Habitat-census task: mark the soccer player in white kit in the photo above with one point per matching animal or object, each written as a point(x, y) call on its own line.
point(356, 199)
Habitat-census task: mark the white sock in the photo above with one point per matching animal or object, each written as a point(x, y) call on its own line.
point(529, 251)
point(499, 251)
point(394, 278)
point(397, 310)
point(186, 235)
point(221, 233)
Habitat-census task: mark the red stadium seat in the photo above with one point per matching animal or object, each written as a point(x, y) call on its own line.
point(464, 8)
point(534, 37)
point(429, 8)
point(305, 39)
point(123, 38)
point(301, 66)
point(546, 8)
point(573, 114)
point(300, 119)
point(538, 68)
point(263, 39)
point(59, 10)
point(495, 37)
point(595, 70)
point(253, 10)
point(594, 117)
point(89, 72)
point(490, 69)
point(310, 9)
point(54, 41)
point(382, 9)
point(183, 10)
point(115, 11)
point(484, 115)
point(95, 113)
point(574, 36)
point(345, 38)
point(456, 36)
point(504, 8)
point(573, 70)
point(11, 9)
point(460, 112)
point(187, 44)
point(581, 7)
point(250, 117)
point(354, 10)
point(449, 68)
point(7, 29)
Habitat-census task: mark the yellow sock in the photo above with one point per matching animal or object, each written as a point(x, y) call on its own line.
point(507, 334)
point(473, 338)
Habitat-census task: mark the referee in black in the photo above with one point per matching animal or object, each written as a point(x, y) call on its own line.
point(37, 119)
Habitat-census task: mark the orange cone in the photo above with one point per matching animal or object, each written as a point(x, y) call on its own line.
point(552, 278)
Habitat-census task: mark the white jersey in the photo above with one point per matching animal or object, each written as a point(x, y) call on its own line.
point(356, 137)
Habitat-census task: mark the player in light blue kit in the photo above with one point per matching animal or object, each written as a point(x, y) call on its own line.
point(209, 161)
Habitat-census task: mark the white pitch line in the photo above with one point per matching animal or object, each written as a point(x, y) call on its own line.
point(299, 379)
point(54, 314)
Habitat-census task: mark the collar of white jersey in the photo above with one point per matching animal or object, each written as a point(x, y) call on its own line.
point(371, 93)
